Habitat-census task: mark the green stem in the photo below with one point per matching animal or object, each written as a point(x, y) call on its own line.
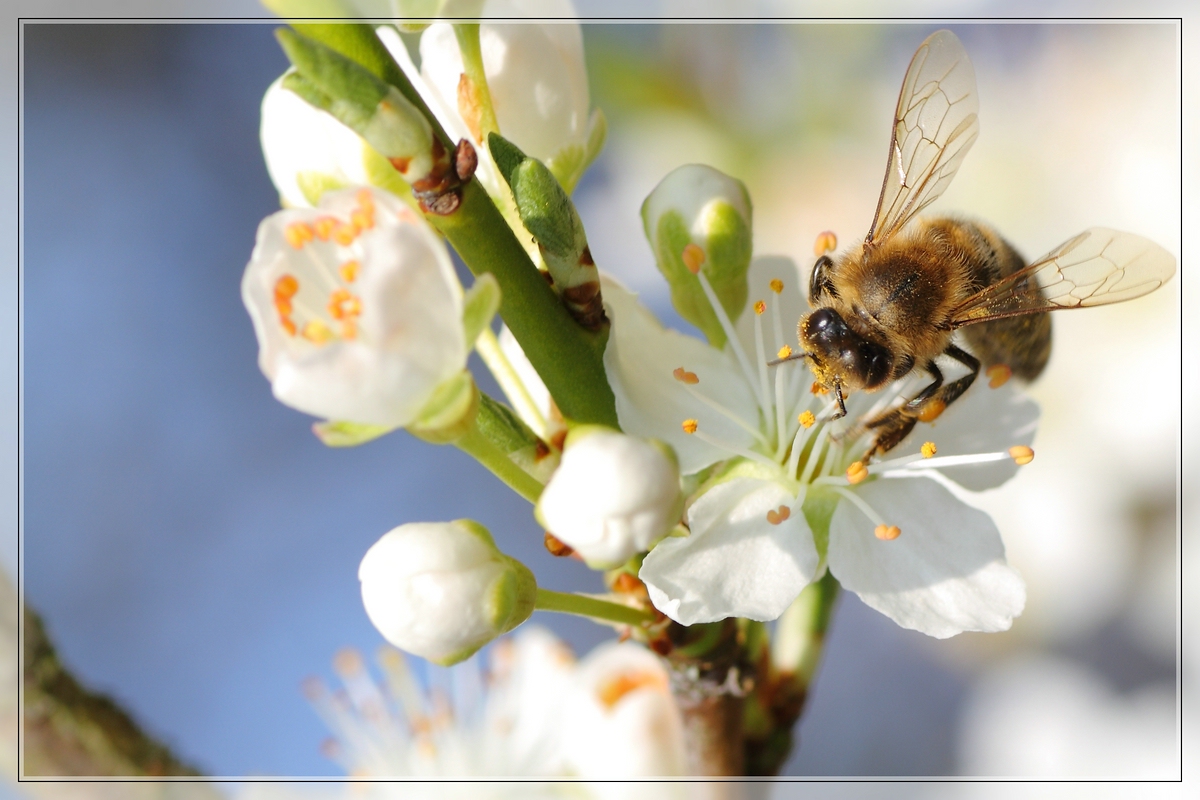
point(800, 632)
point(593, 607)
point(483, 450)
point(468, 44)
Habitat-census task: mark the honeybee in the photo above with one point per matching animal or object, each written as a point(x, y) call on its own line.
point(893, 304)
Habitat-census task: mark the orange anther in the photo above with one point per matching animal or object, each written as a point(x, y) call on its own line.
point(817, 388)
point(998, 375)
point(928, 450)
point(1021, 454)
point(344, 234)
point(288, 326)
point(283, 306)
point(807, 419)
point(286, 286)
point(324, 227)
point(343, 305)
point(683, 376)
point(693, 257)
point(349, 271)
point(776, 285)
point(784, 352)
point(856, 473)
point(316, 332)
point(826, 243)
point(690, 425)
point(886, 532)
point(610, 692)
point(349, 330)
point(365, 201)
point(362, 220)
point(931, 410)
point(760, 307)
point(298, 234)
point(776, 516)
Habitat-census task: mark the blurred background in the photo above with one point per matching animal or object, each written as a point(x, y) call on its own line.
point(193, 548)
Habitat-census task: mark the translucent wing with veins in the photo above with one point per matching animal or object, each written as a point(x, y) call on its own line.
point(1095, 268)
point(936, 124)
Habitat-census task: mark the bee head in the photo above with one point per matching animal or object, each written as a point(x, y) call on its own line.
point(839, 353)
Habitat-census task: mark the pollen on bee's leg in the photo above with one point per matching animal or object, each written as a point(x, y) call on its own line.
point(760, 307)
point(693, 257)
point(1021, 454)
point(690, 426)
point(807, 419)
point(778, 515)
point(886, 532)
point(931, 410)
point(817, 388)
point(776, 285)
point(784, 352)
point(683, 376)
point(998, 375)
point(857, 473)
point(826, 243)
point(928, 450)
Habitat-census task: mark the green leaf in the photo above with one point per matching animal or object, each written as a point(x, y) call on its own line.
point(337, 433)
point(501, 425)
point(449, 413)
point(335, 75)
point(480, 304)
point(547, 212)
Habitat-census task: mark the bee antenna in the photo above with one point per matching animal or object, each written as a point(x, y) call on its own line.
point(792, 357)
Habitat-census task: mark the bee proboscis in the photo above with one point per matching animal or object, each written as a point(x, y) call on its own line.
point(892, 305)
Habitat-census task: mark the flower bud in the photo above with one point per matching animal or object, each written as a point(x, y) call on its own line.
point(612, 496)
point(441, 590)
point(622, 721)
point(699, 220)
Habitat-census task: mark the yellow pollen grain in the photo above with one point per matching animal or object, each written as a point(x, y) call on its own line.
point(886, 532)
point(317, 332)
point(324, 227)
point(1021, 454)
point(807, 419)
point(998, 375)
point(784, 352)
point(931, 410)
point(683, 376)
point(693, 257)
point(690, 426)
point(826, 243)
point(776, 516)
point(776, 285)
point(349, 271)
point(856, 473)
point(760, 307)
point(928, 450)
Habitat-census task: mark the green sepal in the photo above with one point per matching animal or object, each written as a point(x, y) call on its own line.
point(450, 412)
point(569, 163)
point(339, 433)
point(512, 597)
point(315, 184)
point(818, 508)
point(480, 304)
point(727, 248)
point(506, 155)
point(381, 173)
point(500, 425)
point(355, 92)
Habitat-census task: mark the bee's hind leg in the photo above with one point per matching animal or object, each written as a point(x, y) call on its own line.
point(955, 388)
point(893, 425)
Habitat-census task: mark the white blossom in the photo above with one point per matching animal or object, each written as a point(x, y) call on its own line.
point(356, 307)
point(612, 496)
point(441, 590)
point(779, 458)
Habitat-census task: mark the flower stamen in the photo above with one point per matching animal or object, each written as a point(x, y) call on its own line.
point(1021, 454)
point(759, 307)
point(693, 257)
point(886, 533)
point(928, 450)
point(683, 376)
point(826, 243)
point(806, 419)
point(998, 375)
point(857, 473)
point(776, 516)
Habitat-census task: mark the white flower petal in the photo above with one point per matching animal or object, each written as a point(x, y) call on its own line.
point(984, 420)
point(735, 563)
point(297, 138)
point(946, 572)
point(640, 360)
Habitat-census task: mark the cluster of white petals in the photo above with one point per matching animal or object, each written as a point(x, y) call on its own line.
point(780, 459)
point(356, 307)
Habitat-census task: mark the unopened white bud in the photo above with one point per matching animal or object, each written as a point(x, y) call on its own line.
point(612, 496)
point(441, 590)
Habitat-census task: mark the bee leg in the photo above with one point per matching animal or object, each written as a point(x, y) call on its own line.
point(955, 389)
point(929, 391)
point(841, 401)
point(893, 425)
